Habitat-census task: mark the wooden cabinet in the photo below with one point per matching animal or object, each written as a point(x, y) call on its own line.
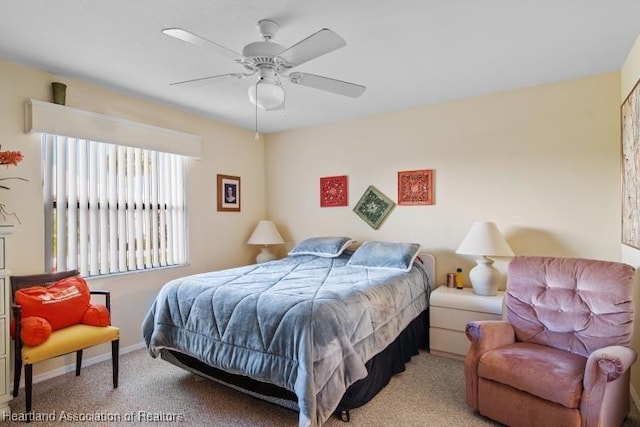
point(449, 311)
point(5, 317)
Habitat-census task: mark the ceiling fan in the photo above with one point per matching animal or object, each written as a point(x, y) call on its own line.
point(272, 63)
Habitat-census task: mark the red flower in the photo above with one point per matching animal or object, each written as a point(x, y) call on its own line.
point(10, 158)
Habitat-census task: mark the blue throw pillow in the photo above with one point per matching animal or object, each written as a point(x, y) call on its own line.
point(327, 247)
point(386, 255)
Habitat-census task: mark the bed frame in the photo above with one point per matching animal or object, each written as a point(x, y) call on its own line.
point(380, 368)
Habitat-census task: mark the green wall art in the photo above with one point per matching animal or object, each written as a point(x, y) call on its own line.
point(373, 207)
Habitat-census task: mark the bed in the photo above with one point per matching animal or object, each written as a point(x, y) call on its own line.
point(322, 328)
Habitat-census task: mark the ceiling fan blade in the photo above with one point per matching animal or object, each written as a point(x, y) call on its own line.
point(194, 39)
point(325, 83)
point(211, 79)
point(317, 44)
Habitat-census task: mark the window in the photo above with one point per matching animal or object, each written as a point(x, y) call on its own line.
point(112, 208)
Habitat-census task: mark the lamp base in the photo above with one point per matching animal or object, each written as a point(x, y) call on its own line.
point(484, 277)
point(265, 255)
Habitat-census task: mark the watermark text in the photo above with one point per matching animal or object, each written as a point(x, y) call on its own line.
point(94, 417)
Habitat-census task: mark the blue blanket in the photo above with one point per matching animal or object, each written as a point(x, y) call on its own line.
point(304, 323)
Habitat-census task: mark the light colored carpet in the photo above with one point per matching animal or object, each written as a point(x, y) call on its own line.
point(429, 393)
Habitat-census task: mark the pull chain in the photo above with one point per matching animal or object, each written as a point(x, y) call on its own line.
point(256, 135)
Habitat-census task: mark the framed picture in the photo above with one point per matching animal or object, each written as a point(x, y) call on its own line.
point(228, 193)
point(334, 191)
point(630, 116)
point(373, 207)
point(415, 187)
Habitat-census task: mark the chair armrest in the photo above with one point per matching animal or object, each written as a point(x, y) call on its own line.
point(484, 335)
point(490, 334)
point(15, 308)
point(106, 294)
point(606, 386)
point(17, 342)
point(100, 292)
point(612, 362)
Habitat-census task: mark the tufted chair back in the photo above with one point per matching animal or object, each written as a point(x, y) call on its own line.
point(576, 305)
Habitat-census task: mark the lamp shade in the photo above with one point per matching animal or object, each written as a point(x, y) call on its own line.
point(484, 238)
point(266, 94)
point(265, 233)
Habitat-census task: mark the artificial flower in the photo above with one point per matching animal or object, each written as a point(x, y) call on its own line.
point(8, 158)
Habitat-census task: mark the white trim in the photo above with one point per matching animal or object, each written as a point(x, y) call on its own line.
point(57, 119)
point(88, 362)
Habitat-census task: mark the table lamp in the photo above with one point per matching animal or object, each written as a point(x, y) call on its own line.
point(484, 239)
point(265, 234)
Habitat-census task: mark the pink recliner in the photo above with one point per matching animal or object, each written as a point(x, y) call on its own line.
point(562, 355)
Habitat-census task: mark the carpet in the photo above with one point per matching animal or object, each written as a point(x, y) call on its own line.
point(153, 392)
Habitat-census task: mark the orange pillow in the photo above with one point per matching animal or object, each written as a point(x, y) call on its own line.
point(62, 303)
point(96, 315)
point(34, 331)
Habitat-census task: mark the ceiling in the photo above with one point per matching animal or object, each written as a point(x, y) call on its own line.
point(406, 52)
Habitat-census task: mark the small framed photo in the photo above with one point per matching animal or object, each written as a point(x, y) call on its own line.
point(415, 187)
point(334, 191)
point(228, 193)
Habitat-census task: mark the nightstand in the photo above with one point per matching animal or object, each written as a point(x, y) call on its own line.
point(449, 311)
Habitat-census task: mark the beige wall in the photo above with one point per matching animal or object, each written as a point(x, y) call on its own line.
point(216, 239)
point(542, 162)
point(629, 76)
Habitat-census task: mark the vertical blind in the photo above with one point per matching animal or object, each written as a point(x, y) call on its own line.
point(112, 208)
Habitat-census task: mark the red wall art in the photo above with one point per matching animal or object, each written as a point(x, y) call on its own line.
point(334, 191)
point(415, 187)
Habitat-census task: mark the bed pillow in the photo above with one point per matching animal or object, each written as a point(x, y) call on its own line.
point(326, 247)
point(385, 255)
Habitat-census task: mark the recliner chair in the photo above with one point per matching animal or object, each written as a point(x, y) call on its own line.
point(562, 355)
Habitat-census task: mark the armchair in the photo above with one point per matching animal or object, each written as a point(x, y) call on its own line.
point(562, 355)
point(70, 339)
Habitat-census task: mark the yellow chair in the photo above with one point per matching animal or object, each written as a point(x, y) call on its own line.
point(63, 341)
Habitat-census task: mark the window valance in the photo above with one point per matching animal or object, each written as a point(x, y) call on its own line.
point(57, 119)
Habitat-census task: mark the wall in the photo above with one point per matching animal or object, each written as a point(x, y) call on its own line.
point(216, 239)
point(630, 74)
point(542, 162)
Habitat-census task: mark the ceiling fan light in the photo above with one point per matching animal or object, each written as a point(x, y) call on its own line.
point(266, 95)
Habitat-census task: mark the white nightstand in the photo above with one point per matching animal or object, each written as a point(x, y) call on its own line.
point(449, 311)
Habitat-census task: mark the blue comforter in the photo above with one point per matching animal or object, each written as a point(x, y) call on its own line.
point(304, 323)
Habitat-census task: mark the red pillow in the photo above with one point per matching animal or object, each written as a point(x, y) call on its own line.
point(34, 331)
point(62, 303)
point(97, 315)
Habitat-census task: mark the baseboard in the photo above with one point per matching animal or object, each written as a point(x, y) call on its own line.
point(88, 362)
point(634, 398)
point(446, 354)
